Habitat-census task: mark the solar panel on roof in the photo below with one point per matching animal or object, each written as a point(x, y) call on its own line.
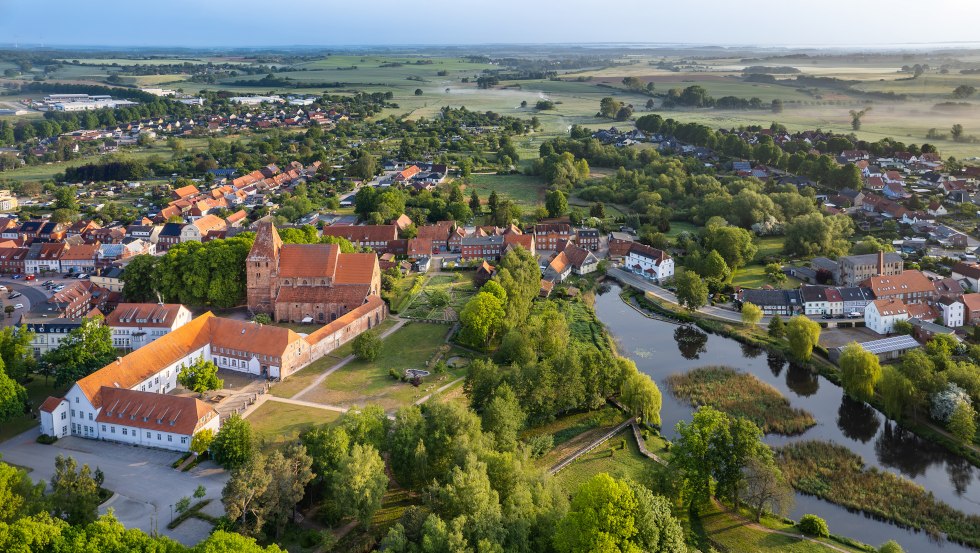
point(886, 345)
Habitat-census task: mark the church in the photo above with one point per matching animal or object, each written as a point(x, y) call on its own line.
point(312, 283)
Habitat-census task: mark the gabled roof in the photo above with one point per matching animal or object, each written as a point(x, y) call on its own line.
point(152, 411)
point(971, 301)
point(642, 250)
point(160, 315)
point(905, 283)
point(364, 233)
point(308, 260)
point(890, 307)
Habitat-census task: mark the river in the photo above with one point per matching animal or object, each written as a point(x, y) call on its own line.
point(661, 348)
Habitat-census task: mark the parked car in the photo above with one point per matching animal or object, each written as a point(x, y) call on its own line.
point(827, 316)
point(854, 315)
point(17, 277)
point(47, 282)
point(14, 295)
point(19, 306)
point(31, 277)
point(83, 275)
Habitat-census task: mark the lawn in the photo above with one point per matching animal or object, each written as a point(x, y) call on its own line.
point(365, 382)
point(754, 276)
point(612, 458)
point(741, 395)
point(575, 431)
point(304, 377)
point(459, 287)
point(526, 191)
point(727, 532)
point(275, 423)
point(37, 392)
point(677, 227)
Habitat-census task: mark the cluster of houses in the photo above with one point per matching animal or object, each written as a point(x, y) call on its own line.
point(877, 288)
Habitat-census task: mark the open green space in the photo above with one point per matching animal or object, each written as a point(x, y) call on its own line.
point(359, 383)
point(275, 423)
point(620, 457)
point(526, 191)
point(741, 395)
point(754, 276)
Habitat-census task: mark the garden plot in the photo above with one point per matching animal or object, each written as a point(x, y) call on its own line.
point(442, 298)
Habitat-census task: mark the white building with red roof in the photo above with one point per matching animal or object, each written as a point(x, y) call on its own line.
point(649, 262)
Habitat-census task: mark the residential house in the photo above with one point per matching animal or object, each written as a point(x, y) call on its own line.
point(108, 278)
point(587, 238)
point(971, 308)
point(855, 299)
point(47, 333)
point(43, 257)
point(136, 324)
point(169, 236)
point(581, 259)
point(547, 236)
point(970, 272)
point(558, 269)
point(12, 260)
point(773, 302)
point(953, 311)
point(79, 259)
point(649, 262)
point(936, 209)
point(481, 247)
point(198, 230)
point(911, 287)
point(881, 315)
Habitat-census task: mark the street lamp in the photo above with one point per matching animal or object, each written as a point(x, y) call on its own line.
point(171, 514)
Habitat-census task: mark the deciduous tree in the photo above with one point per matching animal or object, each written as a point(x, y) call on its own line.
point(860, 371)
point(85, 349)
point(751, 314)
point(367, 346)
point(692, 291)
point(232, 447)
point(361, 483)
point(802, 334)
point(641, 397)
point(74, 492)
point(201, 376)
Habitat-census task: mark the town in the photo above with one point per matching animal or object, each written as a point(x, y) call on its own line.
point(262, 297)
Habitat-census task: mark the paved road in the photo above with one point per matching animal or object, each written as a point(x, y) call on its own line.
point(34, 299)
point(664, 294)
point(145, 484)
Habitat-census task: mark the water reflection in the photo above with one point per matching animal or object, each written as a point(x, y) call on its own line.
point(691, 341)
point(801, 380)
point(751, 351)
point(857, 420)
point(900, 449)
point(775, 362)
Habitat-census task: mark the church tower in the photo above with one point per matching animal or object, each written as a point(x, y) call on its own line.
point(262, 268)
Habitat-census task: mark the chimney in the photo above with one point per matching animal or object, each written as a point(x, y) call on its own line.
point(881, 263)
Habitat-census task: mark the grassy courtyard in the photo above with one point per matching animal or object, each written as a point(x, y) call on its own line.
point(526, 191)
point(303, 378)
point(458, 286)
point(275, 423)
point(362, 382)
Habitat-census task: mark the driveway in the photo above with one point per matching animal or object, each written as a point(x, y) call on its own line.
point(145, 485)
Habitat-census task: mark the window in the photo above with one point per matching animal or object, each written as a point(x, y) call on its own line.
point(124, 432)
point(90, 416)
point(64, 415)
point(148, 435)
point(112, 429)
point(170, 437)
point(64, 429)
point(103, 428)
point(183, 439)
point(73, 413)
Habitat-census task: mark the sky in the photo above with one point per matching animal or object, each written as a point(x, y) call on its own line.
point(265, 23)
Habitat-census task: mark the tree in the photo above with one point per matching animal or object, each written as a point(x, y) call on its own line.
point(364, 167)
point(556, 203)
point(692, 291)
point(503, 418)
point(751, 314)
point(201, 376)
point(802, 334)
point(891, 546)
point(224, 542)
point(775, 274)
point(291, 466)
point(74, 492)
point(202, 441)
point(956, 131)
point(641, 397)
point(777, 106)
point(243, 494)
point(597, 210)
point(733, 243)
point(418, 91)
point(493, 202)
point(856, 117)
point(609, 107)
point(777, 328)
point(481, 319)
point(139, 279)
point(367, 346)
point(897, 392)
point(475, 206)
point(765, 488)
point(963, 91)
point(19, 497)
point(813, 235)
point(519, 275)
point(233, 448)
point(859, 371)
point(713, 266)
point(963, 422)
point(83, 350)
point(361, 483)
point(812, 525)
point(13, 396)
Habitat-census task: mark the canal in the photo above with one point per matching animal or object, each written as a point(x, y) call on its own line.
point(662, 348)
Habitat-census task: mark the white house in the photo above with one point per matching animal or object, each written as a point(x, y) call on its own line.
point(582, 260)
point(881, 315)
point(954, 312)
point(649, 262)
point(136, 324)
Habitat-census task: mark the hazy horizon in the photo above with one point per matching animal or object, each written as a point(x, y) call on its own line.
point(250, 24)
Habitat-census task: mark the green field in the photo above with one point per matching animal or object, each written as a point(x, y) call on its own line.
point(275, 423)
point(526, 191)
point(612, 459)
point(359, 383)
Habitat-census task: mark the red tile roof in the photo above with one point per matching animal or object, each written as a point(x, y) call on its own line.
point(152, 411)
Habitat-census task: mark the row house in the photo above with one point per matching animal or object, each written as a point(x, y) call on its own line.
point(587, 238)
point(482, 247)
point(547, 236)
point(773, 302)
point(375, 237)
point(912, 287)
point(44, 256)
point(80, 258)
point(47, 334)
point(13, 260)
point(199, 230)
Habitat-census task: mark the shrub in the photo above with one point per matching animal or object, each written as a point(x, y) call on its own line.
point(262, 319)
point(812, 525)
point(46, 439)
point(200, 491)
point(394, 374)
point(539, 445)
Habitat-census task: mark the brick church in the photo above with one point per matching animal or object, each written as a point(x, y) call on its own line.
point(313, 283)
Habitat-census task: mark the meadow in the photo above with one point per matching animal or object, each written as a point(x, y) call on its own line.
point(742, 395)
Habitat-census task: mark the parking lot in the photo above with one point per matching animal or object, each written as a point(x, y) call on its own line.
point(145, 485)
point(32, 295)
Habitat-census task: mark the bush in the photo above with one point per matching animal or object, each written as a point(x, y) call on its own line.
point(539, 445)
point(812, 525)
point(46, 439)
point(262, 319)
point(394, 374)
point(367, 346)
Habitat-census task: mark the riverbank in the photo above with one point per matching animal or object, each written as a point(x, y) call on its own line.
point(819, 363)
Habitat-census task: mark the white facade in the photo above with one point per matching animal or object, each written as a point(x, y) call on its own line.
point(953, 314)
point(648, 267)
point(55, 423)
point(136, 334)
point(883, 323)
